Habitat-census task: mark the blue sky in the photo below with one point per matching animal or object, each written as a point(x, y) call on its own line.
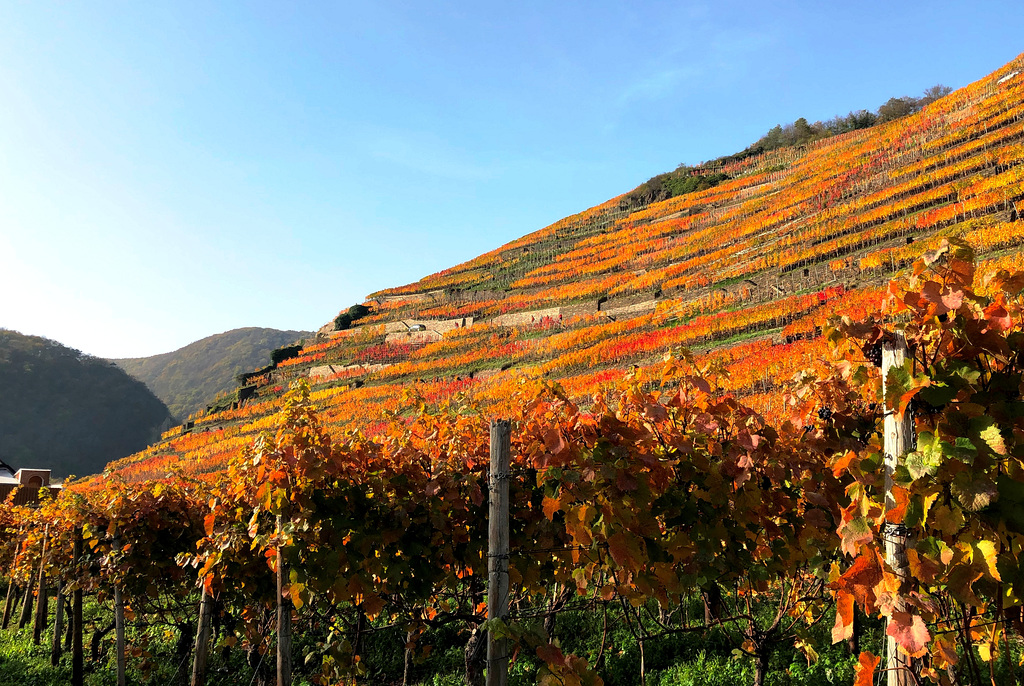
point(173, 170)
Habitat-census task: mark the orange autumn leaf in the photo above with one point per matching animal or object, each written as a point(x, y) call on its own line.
point(896, 514)
point(843, 628)
point(865, 669)
point(861, 579)
point(840, 465)
point(550, 507)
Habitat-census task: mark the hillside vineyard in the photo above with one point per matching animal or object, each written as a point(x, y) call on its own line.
point(745, 273)
point(696, 414)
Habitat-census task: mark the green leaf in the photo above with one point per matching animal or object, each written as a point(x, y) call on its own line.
point(926, 459)
point(861, 376)
point(963, 449)
point(854, 533)
point(1009, 506)
point(938, 394)
point(914, 514)
point(965, 371)
point(498, 628)
point(896, 384)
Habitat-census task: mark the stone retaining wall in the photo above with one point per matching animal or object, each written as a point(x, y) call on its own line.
point(527, 318)
point(441, 326)
point(407, 337)
point(630, 310)
point(326, 370)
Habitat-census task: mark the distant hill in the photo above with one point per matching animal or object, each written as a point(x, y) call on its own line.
point(190, 377)
point(70, 412)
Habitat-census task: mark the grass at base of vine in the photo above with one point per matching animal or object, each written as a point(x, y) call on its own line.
point(704, 658)
point(26, 664)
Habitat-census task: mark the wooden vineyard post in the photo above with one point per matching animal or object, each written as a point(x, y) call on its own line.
point(498, 548)
point(26, 604)
point(119, 625)
point(202, 639)
point(77, 657)
point(12, 591)
point(119, 629)
point(898, 438)
point(42, 600)
point(58, 628)
point(12, 588)
point(284, 618)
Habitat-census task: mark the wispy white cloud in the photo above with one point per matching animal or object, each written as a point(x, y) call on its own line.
point(658, 85)
point(426, 154)
point(703, 52)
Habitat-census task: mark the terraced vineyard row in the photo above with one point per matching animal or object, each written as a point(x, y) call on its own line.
point(756, 264)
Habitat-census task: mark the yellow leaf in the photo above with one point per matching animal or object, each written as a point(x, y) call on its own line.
point(295, 594)
point(984, 553)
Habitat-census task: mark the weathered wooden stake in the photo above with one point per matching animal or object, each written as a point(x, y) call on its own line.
point(69, 624)
point(77, 655)
point(898, 438)
point(42, 599)
point(26, 604)
point(12, 594)
point(12, 587)
point(284, 619)
point(119, 626)
point(202, 640)
point(407, 665)
point(497, 548)
point(58, 628)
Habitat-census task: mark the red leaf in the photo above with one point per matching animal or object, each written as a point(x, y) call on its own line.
point(932, 292)
point(998, 318)
point(551, 654)
point(618, 546)
point(953, 300)
point(908, 396)
point(554, 442)
point(910, 633)
point(922, 566)
point(626, 481)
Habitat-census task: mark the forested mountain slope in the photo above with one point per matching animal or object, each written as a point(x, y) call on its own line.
point(65, 411)
point(189, 378)
point(746, 272)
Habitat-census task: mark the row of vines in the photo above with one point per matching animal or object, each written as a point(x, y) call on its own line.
point(660, 492)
